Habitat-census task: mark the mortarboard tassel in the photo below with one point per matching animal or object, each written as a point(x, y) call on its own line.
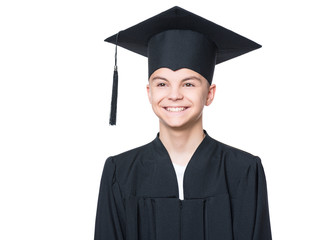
point(114, 95)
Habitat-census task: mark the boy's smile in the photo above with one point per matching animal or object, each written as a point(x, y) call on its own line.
point(175, 109)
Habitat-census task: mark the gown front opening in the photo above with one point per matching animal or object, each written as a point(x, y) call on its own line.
point(180, 170)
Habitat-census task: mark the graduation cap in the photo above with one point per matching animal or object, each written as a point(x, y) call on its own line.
point(177, 39)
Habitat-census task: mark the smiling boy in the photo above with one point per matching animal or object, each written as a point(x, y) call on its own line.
point(184, 184)
point(178, 98)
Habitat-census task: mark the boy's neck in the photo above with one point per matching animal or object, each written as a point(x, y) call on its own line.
point(181, 143)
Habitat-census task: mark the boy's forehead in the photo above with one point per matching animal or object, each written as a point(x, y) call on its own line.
point(164, 71)
point(179, 73)
point(182, 74)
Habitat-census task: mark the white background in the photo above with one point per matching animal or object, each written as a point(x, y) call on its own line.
point(56, 77)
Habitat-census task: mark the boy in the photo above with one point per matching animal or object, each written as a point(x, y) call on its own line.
point(184, 184)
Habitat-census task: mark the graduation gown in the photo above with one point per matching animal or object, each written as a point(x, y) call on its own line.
point(225, 195)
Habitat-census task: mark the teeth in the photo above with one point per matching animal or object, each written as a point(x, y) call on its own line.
point(175, 109)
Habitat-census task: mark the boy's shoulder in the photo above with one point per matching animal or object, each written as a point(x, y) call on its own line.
point(129, 156)
point(234, 155)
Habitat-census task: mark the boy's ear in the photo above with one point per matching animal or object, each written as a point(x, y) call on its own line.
point(148, 92)
point(211, 95)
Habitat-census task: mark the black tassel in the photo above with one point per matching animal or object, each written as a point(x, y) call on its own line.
point(114, 98)
point(114, 95)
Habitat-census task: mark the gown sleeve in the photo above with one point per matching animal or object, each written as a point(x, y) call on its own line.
point(109, 224)
point(251, 212)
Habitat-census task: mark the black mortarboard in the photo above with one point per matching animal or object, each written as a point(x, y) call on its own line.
point(178, 39)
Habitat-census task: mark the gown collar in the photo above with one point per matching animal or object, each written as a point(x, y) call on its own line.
point(166, 172)
point(163, 151)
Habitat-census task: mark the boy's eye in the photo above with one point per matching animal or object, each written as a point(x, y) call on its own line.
point(189, 85)
point(161, 84)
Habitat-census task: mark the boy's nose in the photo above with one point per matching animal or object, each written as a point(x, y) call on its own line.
point(175, 94)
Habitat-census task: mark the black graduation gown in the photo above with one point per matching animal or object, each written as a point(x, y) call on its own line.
point(225, 196)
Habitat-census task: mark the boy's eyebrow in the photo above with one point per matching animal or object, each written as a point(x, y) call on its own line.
point(192, 78)
point(158, 77)
point(185, 79)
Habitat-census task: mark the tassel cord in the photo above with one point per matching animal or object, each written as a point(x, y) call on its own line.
point(114, 95)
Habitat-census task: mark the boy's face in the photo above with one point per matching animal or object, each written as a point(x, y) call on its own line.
point(178, 97)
